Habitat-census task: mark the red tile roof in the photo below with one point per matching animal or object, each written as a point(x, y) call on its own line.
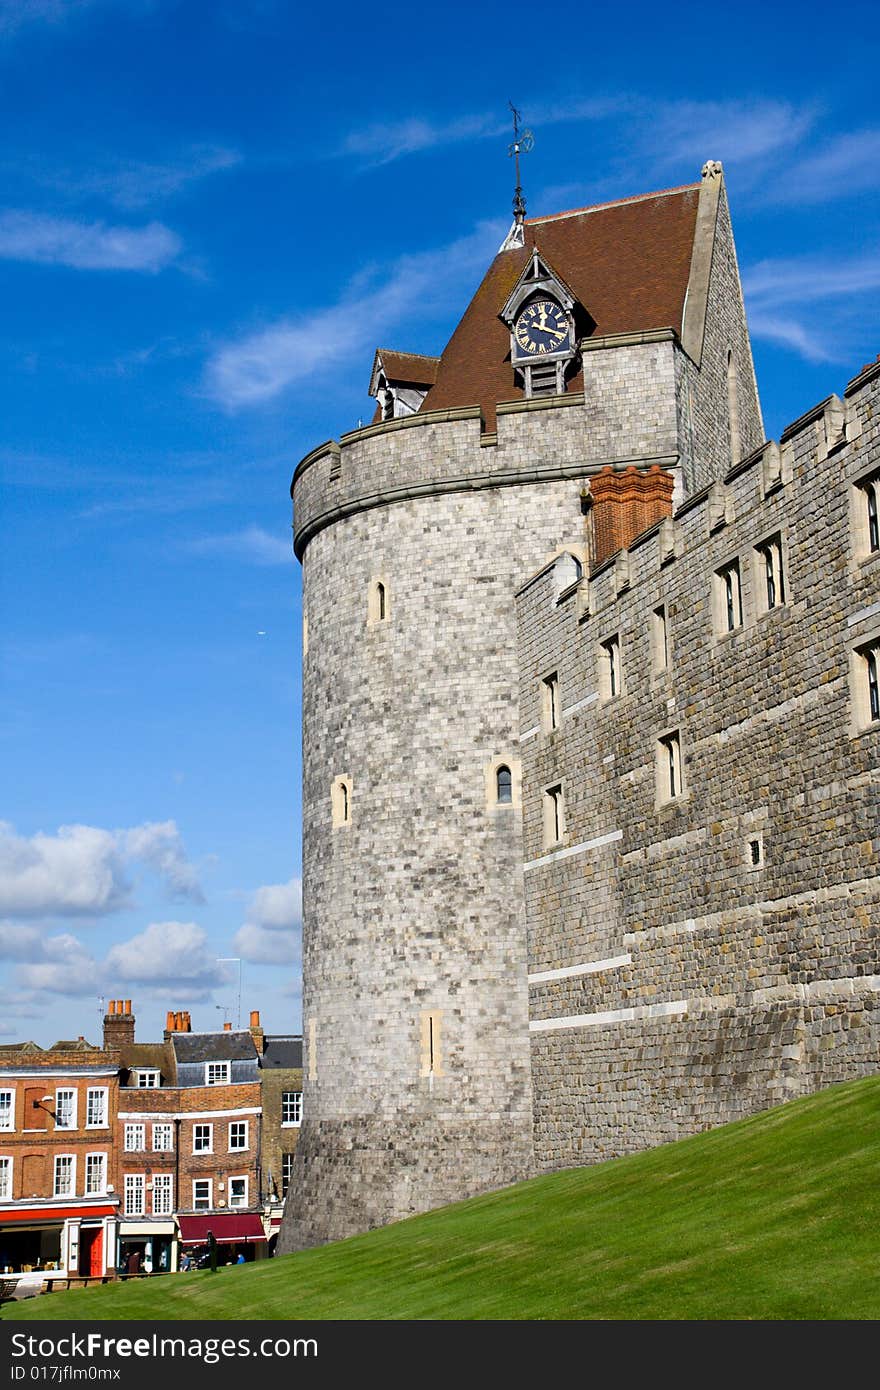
point(627, 262)
point(411, 367)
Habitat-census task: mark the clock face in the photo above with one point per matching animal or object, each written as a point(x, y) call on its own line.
point(542, 327)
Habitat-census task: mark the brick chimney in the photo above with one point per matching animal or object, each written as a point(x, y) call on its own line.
point(177, 1021)
point(118, 1024)
point(257, 1033)
point(624, 504)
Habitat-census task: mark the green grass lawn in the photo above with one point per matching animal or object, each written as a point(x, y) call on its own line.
point(777, 1216)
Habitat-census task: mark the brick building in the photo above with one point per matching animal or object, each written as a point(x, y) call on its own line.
point(590, 725)
point(59, 1205)
point(115, 1158)
point(281, 1082)
point(188, 1144)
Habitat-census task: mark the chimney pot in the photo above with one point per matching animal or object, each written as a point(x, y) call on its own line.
point(127, 1009)
point(255, 1018)
point(227, 1027)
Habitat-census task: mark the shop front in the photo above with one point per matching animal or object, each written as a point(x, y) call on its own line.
point(45, 1237)
point(147, 1247)
point(240, 1237)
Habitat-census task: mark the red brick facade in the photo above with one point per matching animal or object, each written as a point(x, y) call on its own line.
point(624, 504)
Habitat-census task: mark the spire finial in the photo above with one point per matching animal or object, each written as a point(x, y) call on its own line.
point(523, 141)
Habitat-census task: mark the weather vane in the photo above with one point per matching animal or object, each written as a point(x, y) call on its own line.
point(523, 141)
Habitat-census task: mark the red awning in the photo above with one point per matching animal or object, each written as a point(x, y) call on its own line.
point(48, 1213)
point(232, 1228)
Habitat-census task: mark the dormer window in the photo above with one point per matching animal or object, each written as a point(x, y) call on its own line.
point(400, 381)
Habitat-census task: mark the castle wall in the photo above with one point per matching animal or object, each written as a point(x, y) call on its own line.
point(674, 984)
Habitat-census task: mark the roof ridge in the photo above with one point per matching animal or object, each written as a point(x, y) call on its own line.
point(403, 352)
point(614, 202)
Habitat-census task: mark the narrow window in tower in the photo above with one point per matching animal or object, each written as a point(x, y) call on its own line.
point(554, 816)
point(733, 410)
point(550, 702)
point(377, 602)
point(610, 671)
point(340, 802)
point(660, 640)
point(728, 598)
point(430, 1059)
point(504, 784)
point(770, 562)
point(670, 785)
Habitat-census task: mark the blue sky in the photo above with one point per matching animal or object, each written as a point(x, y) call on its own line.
point(210, 215)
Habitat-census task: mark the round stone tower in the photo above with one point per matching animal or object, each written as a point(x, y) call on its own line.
point(417, 1083)
point(415, 534)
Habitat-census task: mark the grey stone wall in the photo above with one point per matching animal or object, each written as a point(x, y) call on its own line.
point(704, 417)
point(696, 986)
point(416, 904)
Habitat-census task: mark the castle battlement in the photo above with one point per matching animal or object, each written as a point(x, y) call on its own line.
point(703, 930)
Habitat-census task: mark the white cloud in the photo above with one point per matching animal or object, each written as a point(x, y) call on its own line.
point(847, 165)
point(384, 141)
point(20, 942)
point(778, 291)
point(168, 954)
point(16, 13)
point(78, 871)
point(252, 543)
point(736, 132)
point(271, 935)
point(82, 870)
point(134, 184)
point(263, 364)
point(159, 845)
point(66, 968)
point(37, 237)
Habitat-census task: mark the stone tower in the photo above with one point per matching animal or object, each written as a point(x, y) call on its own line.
point(615, 336)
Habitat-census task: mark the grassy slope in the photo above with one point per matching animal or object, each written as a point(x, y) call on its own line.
point(777, 1216)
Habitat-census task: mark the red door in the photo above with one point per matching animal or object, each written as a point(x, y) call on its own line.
point(91, 1246)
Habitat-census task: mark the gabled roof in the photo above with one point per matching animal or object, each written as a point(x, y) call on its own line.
point(412, 368)
point(155, 1056)
point(627, 262)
